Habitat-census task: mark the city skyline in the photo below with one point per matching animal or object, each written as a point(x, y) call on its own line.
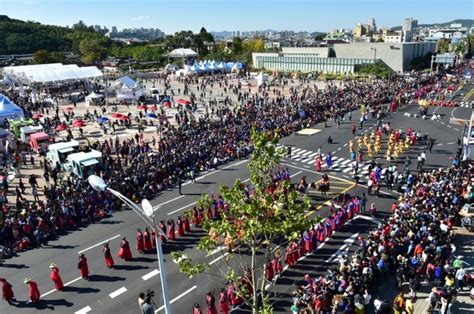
point(171, 16)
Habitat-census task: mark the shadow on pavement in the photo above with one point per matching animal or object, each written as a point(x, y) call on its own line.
point(105, 278)
point(130, 267)
point(80, 289)
point(17, 266)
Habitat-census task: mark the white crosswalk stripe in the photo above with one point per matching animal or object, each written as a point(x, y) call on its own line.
point(339, 164)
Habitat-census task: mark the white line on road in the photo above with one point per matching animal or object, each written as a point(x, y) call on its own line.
point(218, 170)
point(84, 310)
point(150, 274)
point(167, 202)
point(66, 284)
point(180, 209)
point(177, 298)
point(118, 292)
point(218, 259)
point(96, 245)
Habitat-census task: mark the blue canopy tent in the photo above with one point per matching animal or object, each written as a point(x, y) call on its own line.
point(127, 82)
point(8, 110)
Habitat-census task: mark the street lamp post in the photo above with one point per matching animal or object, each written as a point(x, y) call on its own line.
point(375, 52)
point(148, 215)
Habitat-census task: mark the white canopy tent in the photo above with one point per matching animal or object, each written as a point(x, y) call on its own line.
point(94, 95)
point(261, 78)
point(182, 53)
point(50, 73)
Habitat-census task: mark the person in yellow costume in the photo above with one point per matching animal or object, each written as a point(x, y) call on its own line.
point(366, 141)
point(407, 142)
point(359, 142)
point(351, 146)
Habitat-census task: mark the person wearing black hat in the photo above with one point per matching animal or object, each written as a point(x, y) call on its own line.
point(83, 267)
point(197, 309)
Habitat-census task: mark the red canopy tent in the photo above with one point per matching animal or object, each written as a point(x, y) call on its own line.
point(79, 123)
point(37, 116)
point(116, 115)
point(184, 102)
point(61, 127)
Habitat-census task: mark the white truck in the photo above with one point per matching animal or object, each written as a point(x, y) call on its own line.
point(58, 152)
point(83, 164)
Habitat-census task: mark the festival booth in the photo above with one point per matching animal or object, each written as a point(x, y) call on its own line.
point(93, 98)
point(261, 78)
point(25, 132)
point(128, 89)
point(39, 141)
point(8, 110)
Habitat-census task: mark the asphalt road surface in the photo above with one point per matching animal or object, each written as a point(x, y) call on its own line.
point(116, 290)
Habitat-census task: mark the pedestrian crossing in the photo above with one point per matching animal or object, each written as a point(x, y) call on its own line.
point(466, 104)
point(339, 164)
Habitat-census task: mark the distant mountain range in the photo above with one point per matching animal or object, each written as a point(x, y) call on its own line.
point(465, 23)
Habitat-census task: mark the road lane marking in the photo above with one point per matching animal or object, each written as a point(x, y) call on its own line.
point(167, 202)
point(96, 245)
point(150, 274)
point(177, 298)
point(218, 259)
point(343, 250)
point(84, 310)
point(216, 250)
point(118, 292)
point(66, 284)
point(218, 170)
point(180, 209)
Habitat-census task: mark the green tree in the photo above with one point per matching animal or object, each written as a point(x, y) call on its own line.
point(256, 222)
point(41, 56)
point(57, 57)
point(90, 50)
point(320, 36)
point(237, 45)
point(443, 45)
point(205, 36)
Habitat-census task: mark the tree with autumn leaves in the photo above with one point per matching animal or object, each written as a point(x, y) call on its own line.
point(255, 220)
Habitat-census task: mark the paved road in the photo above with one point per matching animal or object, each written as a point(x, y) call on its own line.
point(116, 290)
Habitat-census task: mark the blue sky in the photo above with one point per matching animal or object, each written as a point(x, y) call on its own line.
point(216, 15)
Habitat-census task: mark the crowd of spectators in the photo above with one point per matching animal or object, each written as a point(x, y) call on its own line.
point(414, 244)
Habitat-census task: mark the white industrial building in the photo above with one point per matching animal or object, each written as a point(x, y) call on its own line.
point(347, 57)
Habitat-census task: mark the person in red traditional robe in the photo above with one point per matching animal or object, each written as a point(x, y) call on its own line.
point(162, 226)
point(124, 251)
point(211, 303)
point(289, 258)
point(153, 238)
point(109, 261)
point(55, 277)
point(180, 225)
point(187, 225)
point(197, 309)
point(147, 240)
point(269, 274)
point(317, 164)
point(34, 291)
point(83, 267)
point(224, 302)
point(140, 242)
point(7, 291)
point(171, 235)
point(276, 262)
